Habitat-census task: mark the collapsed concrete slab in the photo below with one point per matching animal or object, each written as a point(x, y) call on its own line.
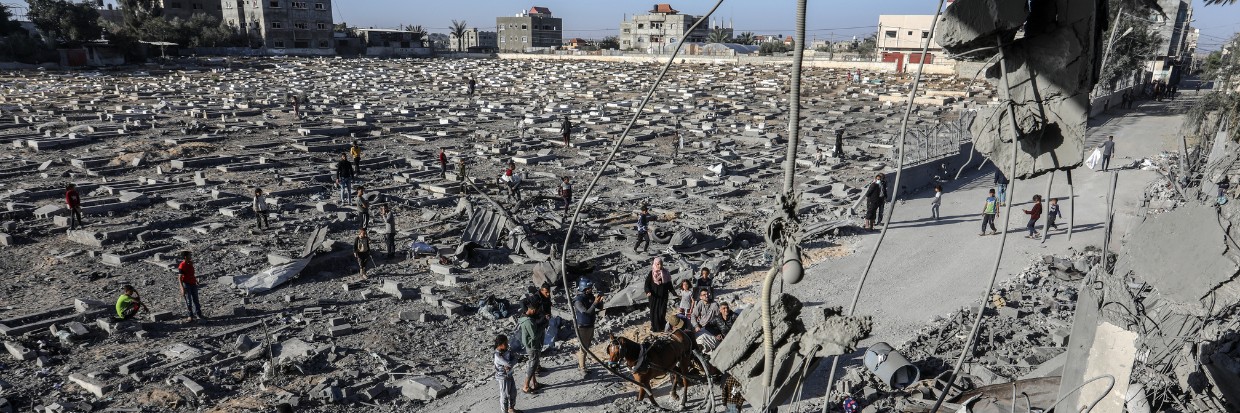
point(1183, 253)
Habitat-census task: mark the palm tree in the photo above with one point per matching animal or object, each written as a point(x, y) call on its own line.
point(718, 35)
point(458, 29)
point(744, 38)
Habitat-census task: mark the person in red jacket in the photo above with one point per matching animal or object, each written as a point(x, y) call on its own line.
point(1034, 214)
point(189, 286)
point(74, 203)
point(443, 164)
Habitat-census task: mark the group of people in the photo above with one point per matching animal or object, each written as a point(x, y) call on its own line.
point(129, 304)
point(708, 321)
point(990, 209)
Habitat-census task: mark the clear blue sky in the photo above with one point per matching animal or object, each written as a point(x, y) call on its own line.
point(834, 20)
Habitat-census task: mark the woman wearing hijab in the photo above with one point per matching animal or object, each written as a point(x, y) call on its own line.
point(658, 289)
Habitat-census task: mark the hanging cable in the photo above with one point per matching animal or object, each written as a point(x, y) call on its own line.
point(890, 212)
point(1007, 218)
point(568, 235)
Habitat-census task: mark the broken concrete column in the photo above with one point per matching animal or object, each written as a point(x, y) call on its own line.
point(1051, 71)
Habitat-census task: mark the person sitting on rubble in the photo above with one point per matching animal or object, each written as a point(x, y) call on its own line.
point(703, 320)
point(129, 303)
point(723, 323)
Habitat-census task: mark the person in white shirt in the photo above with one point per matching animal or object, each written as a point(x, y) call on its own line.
point(260, 208)
point(938, 200)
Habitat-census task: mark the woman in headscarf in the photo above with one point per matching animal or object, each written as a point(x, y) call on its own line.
point(658, 289)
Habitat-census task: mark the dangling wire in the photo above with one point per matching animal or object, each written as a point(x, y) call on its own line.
point(603, 168)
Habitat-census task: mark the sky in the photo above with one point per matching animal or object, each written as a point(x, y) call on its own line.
point(594, 19)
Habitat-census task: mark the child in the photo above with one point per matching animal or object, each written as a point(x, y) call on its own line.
point(685, 291)
point(938, 200)
point(260, 209)
point(503, 374)
point(1034, 214)
point(989, 210)
point(1052, 213)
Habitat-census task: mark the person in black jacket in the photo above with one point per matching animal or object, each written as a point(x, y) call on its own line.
point(585, 310)
point(344, 178)
point(1001, 182)
point(658, 289)
point(873, 201)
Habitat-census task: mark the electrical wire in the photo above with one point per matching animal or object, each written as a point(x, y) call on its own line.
point(568, 235)
point(1007, 218)
point(890, 212)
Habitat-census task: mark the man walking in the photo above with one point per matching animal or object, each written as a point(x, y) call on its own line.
point(389, 226)
point(260, 208)
point(1001, 182)
point(585, 310)
point(189, 287)
point(566, 192)
point(643, 228)
point(74, 203)
point(988, 213)
point(566, 129)
point(344, 178)
point(443, 164)
point(1108, 149)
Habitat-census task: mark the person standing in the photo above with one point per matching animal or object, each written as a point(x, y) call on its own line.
point(1001, 182)
point(733, 394)
point(1034, 213)
point(658, 287)
point(989, 210)
point(873, 201)
point(189, 286)
point(259, 205)
point(471, 84)
point(585, 309)
point(128, 304)
point(566, 192)
point(74, 203)
point(293, 100)
point(443, 164)
point(566, 129)
point(1052, 213)
point(361, 251)
point(460, 169)
point(389, 226)
point(502, 358)
point(363, 207)
point(356, 152)
point(936, 202)
point(643, 229)
point(704, 281)
point(685, 302)
point(531, 338)
point(1108, 149)
point(344, 178)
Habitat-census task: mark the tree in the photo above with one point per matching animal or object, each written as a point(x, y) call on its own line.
point(866, 47)
point(744, 38)
point(1213, 2)
point(458, 29)
point(1129, 50)
point(418, 33)
point(65, 21)
point(770, 48)
point(718, 35)
point(137, 12)
point(7, 25)
point(609, 43)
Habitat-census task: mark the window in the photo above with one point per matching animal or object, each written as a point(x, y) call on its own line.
point(274, 3)
point(925, 35)
point(277, 25)
point(323, 44)
point(322, 26)
point(523, 27)
point(890, 34)
point(641, 26)
point(299, 5)
point(279, 43)
point(320, 6)
point(522, 39)
point(626, 30)
point(910, 32)
point(197, 6)
point(300, 25)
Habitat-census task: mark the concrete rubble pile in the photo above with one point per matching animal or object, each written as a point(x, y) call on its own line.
point(166, 159)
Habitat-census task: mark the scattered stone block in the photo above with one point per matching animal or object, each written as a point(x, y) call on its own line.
point(91, 385)
point(18, 351)
point(421, 388)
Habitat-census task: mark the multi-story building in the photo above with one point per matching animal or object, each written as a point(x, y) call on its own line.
point(299, 27)
point(660, 29)
point(902, 37)
point(1174, 30)
point(531, 29)
point(184, 9)
point(474, 40)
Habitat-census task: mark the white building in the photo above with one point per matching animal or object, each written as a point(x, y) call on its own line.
point(902, 36)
